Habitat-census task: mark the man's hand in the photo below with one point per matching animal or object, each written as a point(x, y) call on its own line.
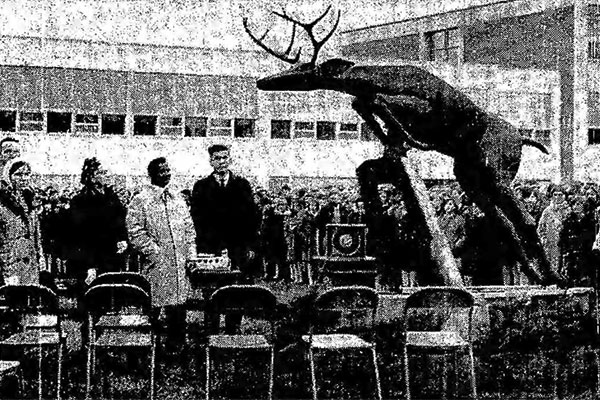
point(250, 255)
point(91, 275)
point(121, 247)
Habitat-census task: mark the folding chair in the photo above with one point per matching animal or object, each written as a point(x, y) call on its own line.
point(439, 321)
point(342, 317)
point(11, 367)
point(132, 278)
point(255, 302)
point(119, 317)
point(40, 323)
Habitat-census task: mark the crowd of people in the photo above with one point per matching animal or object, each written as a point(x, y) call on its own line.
point(275, 231)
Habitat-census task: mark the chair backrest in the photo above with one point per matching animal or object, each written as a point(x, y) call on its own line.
point(252, 301)
point(132, 278)
point(345, 309)
point(35, 306)
point(116, 298)
point(439, 308)
point(28, 299)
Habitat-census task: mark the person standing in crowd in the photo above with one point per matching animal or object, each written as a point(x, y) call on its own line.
point(550, 226)
point(97, 235)
point(160, 229)
point(225, 215)
point(275, 245)
point(20, 243)
point(9, 150)
point(452, 223)
point(332, 212)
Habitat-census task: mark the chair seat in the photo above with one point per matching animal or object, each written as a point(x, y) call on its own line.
point(121, 338)
point(238, 342)
point(337, 341)
point(8, 366)
point(443, 340)
point(33, 338)
point(123, 321)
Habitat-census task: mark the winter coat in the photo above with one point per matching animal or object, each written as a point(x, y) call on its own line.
point(20, 242)
point(160, 229)
point(549, 229)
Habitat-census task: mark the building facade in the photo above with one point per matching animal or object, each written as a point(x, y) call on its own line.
point(128, 81)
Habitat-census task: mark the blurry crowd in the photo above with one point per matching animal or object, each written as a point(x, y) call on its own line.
point(293, 221)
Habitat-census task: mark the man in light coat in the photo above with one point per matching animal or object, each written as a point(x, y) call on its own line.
point(160, 228)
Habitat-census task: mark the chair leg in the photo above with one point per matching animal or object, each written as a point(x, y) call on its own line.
point(444, 377)
point(40, 395)
point(473, 374)
point(207, 389)
point(59, 373)
point(88, 383)
point(376, 368)
point(272, 373)
point(152, 368)
point(406, 373)
point(312, 372)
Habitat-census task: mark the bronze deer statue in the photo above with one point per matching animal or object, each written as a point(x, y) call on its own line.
point(408, 107)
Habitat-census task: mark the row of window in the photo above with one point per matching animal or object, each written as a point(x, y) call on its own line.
point(176, 126)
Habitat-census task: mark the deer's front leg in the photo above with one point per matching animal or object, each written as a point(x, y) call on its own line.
point(390, 108)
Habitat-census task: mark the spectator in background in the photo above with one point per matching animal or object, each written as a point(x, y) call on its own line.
point(452, 223)
point(97, 234)
point(550, 226)
point(275, 245)
point(20, 243)
point(225, 215)
point(161, 230)
point(10, 149)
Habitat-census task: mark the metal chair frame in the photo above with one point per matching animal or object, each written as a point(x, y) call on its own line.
point(441, 340)
point(115, 310)
point(245, 300)
point(330, 305)
point(40, 322)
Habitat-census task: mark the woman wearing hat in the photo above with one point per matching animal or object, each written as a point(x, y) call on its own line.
point(20, 244)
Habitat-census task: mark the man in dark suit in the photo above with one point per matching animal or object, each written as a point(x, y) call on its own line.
point(224, 213)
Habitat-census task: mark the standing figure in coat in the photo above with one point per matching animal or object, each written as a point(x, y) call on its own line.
point(97, 238)
point(550, 226)
point(225, 215)
point(20, 243)
point(161, 230)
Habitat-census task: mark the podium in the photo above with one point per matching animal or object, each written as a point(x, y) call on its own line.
point(345, 261)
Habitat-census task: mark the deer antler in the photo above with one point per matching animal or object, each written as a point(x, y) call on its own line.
point(282, 56)
point(308, 27)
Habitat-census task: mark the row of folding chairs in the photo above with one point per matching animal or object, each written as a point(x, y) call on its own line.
point(342, 319)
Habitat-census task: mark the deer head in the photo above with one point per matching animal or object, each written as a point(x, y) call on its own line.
point(303, 76)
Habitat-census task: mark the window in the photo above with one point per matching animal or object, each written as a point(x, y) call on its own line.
point(304, 130)
point(594, 135)
point(113, 124)
point(59, 122)
point(195, 126)
point(219, 127)
point(593, 20)
point(171, 126)
point(144, 125)
point(366, 133)
point(348, 131)
point(31, 121)
point(243, 128)
point(8, 121)
point(87, 123)
point(325, 130)
point(281, 129)
point(443, 45)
